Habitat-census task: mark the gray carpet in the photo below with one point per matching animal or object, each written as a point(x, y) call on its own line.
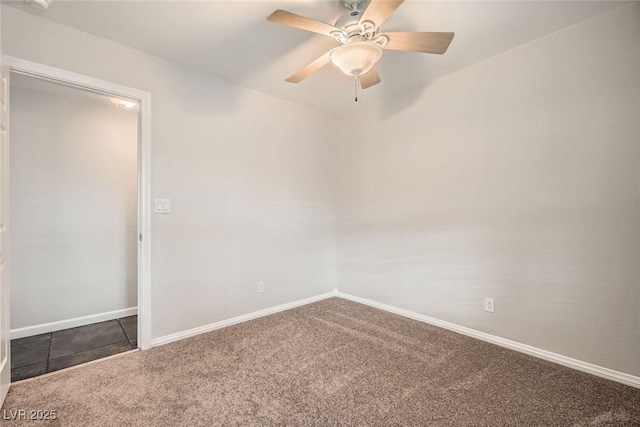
point(332, 363)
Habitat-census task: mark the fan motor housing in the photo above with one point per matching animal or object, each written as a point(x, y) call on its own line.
point(349, 18)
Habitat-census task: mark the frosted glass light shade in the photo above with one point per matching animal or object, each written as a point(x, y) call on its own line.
point(356, 58)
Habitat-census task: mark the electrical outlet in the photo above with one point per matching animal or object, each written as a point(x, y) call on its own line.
point(489, 305)
point(260, 287)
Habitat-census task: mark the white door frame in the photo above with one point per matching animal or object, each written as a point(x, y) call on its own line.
point(144, 169)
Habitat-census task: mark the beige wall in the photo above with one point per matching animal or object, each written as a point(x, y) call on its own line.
point(73, 206)
point(517, 178)
point(251, 179)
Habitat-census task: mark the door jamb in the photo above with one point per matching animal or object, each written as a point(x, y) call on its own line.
point(144, 169)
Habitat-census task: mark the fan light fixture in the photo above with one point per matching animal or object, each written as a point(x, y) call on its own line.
point(123, 103)
point(362, 42)
point(356, 58)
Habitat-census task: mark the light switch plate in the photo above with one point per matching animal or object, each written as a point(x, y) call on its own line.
point(162, 206)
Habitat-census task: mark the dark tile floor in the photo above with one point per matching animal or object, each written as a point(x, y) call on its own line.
point(39, 354)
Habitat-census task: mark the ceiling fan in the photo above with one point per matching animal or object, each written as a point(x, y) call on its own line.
point(361, 42)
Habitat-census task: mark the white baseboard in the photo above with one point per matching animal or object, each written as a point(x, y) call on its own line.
point(238, 319)
point(72, 323)
point(589, 368)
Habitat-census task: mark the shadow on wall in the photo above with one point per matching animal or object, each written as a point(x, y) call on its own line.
point(413, 69)
point(209, 94)
point(256, 47)
point(199, 94)
point(399, 103)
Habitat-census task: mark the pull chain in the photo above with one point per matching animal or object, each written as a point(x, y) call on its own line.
point(355, 80)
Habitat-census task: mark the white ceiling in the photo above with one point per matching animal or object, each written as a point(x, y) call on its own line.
point(233, 40)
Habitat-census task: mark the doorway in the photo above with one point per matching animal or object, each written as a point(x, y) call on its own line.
point(79, 243)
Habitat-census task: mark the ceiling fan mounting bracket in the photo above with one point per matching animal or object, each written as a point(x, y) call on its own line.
point(354, 4)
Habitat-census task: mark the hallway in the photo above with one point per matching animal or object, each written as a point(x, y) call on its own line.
point(44, 353)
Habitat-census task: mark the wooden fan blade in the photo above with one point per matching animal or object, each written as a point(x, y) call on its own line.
point(419, 42)
point(291, 19)
point(311, 68)
point(379, 10)
point(370, 78)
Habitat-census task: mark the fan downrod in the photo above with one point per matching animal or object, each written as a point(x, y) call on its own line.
point(354, 4)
